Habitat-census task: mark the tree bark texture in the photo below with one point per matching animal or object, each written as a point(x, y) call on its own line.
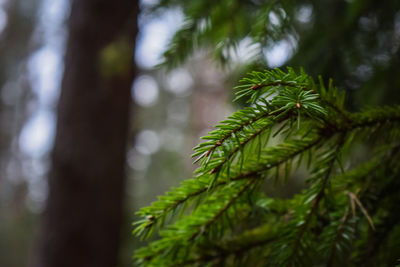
point(81, 223)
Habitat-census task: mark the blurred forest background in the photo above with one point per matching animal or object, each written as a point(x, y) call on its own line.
point(354, 42)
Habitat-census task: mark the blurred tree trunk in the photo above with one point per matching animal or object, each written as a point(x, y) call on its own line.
point(82, 220)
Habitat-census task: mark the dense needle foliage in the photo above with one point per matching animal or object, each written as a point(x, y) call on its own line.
point(293, 129)
point(346, 215)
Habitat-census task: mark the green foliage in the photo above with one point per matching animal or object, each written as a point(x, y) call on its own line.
point(355, 42)
point(222, 217)
point(222, 26)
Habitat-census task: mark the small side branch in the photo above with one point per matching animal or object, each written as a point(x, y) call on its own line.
point(315, 203)
point(224, 209)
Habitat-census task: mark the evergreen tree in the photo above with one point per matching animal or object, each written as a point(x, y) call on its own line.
point(346, 215)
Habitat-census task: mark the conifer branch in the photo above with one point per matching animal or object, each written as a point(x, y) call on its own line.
point(338, 235)
point(234, 160)
point(316, 201)
point(228, 157)
point(187, 230)
point(235, 130)
point(224, 209)
point(196, 187)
